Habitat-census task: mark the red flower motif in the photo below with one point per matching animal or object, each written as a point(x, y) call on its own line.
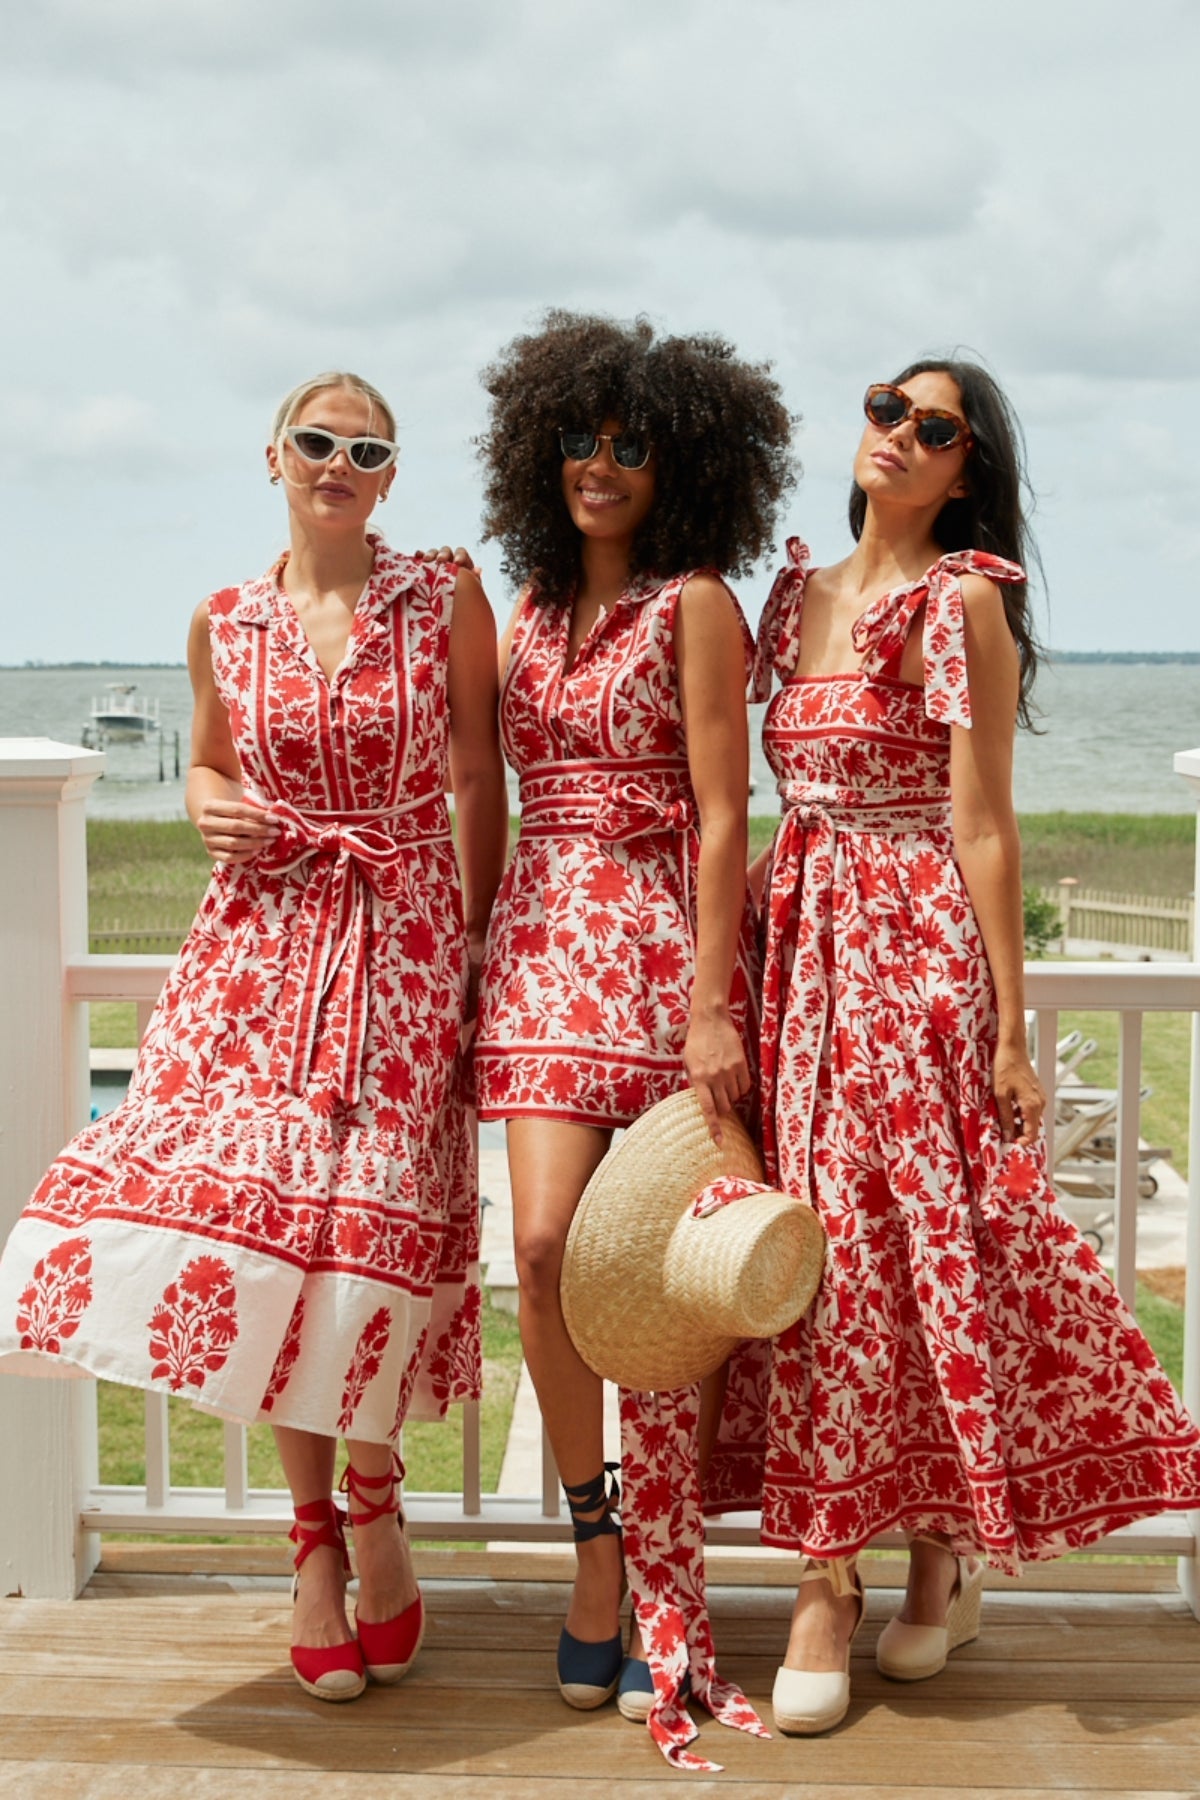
point(365, 1364)
point(285, 1361)
point(965, 1377)
point(50, 1306)
point(194, 1325)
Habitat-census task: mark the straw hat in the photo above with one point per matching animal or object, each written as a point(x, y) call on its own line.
point(656, 1297)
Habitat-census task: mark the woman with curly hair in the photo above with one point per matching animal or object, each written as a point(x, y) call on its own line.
point(625, 475)
point(967, 1373)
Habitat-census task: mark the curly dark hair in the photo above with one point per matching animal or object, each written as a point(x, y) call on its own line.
point(991, 515)
point(720, 431)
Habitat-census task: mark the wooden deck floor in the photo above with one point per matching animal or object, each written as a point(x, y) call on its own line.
point(160, 1686)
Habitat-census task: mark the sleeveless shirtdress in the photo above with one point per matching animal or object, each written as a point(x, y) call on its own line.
point(587, 978)
point(280, 1221)
point(967, 1366)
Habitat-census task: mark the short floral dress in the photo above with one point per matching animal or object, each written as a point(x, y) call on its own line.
point(280, 1221)
point(587, 979)
point(967, 1367)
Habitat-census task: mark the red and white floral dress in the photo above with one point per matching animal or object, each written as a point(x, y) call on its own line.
point(967, 1367)
point(280, 1221)
point(587, 979)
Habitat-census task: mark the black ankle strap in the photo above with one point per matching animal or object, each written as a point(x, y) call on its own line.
point(587, 1496)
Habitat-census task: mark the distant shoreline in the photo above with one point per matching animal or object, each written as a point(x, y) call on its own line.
point(1049, 656)
point(36, 668)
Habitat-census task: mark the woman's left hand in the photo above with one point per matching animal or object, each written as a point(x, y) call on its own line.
point(716, 1067)
point(1020, 1097)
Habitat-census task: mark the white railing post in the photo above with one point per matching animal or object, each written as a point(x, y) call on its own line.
point(1187, 764)
point(47, 1428)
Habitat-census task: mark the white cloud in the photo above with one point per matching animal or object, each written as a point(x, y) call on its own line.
point(205, 201)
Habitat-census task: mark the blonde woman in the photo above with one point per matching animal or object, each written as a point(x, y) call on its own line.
point(279, 1222)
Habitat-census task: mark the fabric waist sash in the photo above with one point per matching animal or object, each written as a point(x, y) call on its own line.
point(326, 981)
point(800, 905)
point(889, 812)
point(612, 799)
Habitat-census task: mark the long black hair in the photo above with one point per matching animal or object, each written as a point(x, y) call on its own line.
point(992, 515)
point(720, 431)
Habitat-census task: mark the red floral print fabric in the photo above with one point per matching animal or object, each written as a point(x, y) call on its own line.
point(587, 979)
point(967, 1367)
point(296, 1119)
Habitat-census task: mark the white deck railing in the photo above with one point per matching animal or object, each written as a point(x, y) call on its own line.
point(52, 1505)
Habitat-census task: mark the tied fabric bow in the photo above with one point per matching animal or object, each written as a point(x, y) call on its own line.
point(882, 630)
point(663, 1525)
point(327, 967)
point(779, 628)
point(630, 810)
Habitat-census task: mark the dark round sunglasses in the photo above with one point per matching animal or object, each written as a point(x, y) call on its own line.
point(887, 406)
point(630, 450)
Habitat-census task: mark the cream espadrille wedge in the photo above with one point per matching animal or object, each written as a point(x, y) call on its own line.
point(915, 1652)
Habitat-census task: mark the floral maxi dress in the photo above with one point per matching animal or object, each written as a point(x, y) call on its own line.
point(967, 1366)
point(280, 1220)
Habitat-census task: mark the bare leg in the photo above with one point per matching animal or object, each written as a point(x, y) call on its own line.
point(386, 1583)
point(822, 1625)
point(932, 1573)
point(319, 1615)
point(551, 1163)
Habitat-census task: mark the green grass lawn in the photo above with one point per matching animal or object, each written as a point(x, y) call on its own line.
point(1126, 853)
point(1166, 1061)
point(432, 1452)
point(149, 874)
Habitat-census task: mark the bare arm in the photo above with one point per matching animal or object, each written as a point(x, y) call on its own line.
point(234, 830)
point(988, 845)
point(506, 637)
point(756, 875)
point(712, 683)
point(476, 766)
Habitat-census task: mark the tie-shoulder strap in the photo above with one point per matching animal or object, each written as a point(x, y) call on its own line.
point(882, 630)
point(778, 642)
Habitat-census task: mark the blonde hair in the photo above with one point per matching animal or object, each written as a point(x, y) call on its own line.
point(290, 405)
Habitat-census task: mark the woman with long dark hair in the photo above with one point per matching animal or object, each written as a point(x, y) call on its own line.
point(626, 474)
point(967, 1373)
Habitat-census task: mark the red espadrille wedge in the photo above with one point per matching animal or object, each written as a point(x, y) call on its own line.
point(389, 1648)
point(330, 1671)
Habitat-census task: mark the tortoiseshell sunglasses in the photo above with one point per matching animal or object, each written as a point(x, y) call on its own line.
point(887, 406)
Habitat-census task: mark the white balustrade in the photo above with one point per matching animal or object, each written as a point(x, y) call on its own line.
point(52, 1505)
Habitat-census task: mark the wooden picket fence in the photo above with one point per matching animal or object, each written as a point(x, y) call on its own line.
point(137, 940)
point(1144, 921)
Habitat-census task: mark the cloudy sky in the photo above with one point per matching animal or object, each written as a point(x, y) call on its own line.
point(208, 200)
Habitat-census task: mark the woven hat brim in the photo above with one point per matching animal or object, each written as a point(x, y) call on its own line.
point(614, 1300)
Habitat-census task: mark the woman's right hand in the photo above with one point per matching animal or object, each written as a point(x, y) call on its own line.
point(235, 831)
point(445, 554)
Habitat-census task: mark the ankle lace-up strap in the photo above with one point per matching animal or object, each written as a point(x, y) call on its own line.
point(318, 1523)
point(838, 1571)
point(587, 1496)
point(356, 1486)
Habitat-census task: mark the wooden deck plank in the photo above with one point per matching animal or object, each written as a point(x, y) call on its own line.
point(143, 1695)
point(574, 1749)
point(33, 1781)
point(442, 1706)
point(725, 1568)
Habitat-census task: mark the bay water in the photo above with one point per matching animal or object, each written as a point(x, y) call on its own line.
point(1108, 733)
